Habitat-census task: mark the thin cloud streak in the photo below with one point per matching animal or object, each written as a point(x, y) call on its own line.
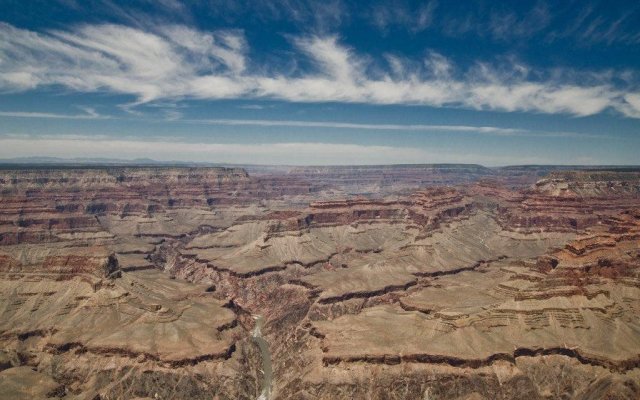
point(349, 125)
point(489, 130)
point(22, 114)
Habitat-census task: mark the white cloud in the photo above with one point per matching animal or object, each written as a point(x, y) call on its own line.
point(333, 60)
point(174, 62)
point(632, 106)
point(574, 100)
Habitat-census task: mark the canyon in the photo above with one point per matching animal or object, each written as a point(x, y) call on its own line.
point(365, 282)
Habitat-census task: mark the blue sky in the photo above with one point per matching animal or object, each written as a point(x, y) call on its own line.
point(329, 82)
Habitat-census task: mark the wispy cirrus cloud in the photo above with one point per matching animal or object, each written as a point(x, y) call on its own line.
point(581, 23)
point(175, 62)
point(497, 23)
point(90, 113)
point(400, 14)
point(588, 26)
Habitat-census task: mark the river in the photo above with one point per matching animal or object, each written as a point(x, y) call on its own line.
point(265, 394)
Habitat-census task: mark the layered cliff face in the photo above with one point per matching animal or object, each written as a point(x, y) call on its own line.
point(123, 283)
point(569, 201)
point(384, 179)
point(591, 184)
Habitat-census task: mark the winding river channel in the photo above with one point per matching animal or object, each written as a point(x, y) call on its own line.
point(265, 394)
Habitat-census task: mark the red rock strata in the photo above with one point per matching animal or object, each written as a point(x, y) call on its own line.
point(569, 201)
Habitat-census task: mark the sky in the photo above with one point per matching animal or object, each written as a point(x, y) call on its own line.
point(328, 82)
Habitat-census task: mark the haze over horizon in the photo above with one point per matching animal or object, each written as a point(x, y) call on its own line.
point(322, 83)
